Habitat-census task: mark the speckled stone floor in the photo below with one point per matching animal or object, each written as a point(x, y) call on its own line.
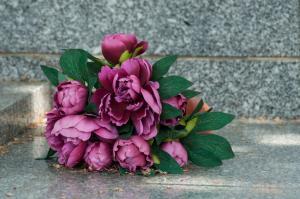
point(267, 165)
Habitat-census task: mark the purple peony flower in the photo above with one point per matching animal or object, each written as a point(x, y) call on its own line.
point(145, 122)
point(127, 93)
point(133, 153)
point(151, 96)
point(55, 142)
point(71, 154)
point(98, 156)
point(179, 102)
point(77, 128)
point(74, 131)
point(140, 68)
point(106, 132)
point(70, 97)
point(177, 151)
point(114, 45)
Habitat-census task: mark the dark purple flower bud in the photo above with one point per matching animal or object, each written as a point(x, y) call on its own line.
point(119, 47)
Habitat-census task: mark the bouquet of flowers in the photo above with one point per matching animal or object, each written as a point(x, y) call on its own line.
point(126, 113)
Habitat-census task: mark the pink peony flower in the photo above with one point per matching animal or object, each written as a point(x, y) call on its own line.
point(179, 102)
point(127, 93)
point(71, 154)
point(151, 96)
point(98, 156)
point(133, 153)
point(114, 45)
point(77, 128)
point(55, 142)
point(140, 68)
point(177, 151)
point(106, 132)
point(70, 97)
point(145, 122)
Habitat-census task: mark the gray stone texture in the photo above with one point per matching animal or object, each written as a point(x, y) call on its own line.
point(21, 104)
point(185, 27)
point(213, 39)
point(266, 165)
point(25, 68)
point(246, 88)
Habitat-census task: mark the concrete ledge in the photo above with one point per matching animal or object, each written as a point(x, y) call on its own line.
point(21, 104)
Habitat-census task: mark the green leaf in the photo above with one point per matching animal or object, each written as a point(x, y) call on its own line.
point(61, 77)
point(162, 135)
point(50, 153)
point(93, 67)
point(199, 155)
point(167, 134)
point(172, 85)
point(97, 85)
point(216, 144)
point(203, 158)
point(162, 66)
point(93, 70)
point(91, 108)
point(126, 135)
point(125, 131)
point(210, 144)
point(212, 121)
point(167, 163)
point(73, 62)
point(53, 75)
point(122, 171)
point(190, 93)
point(98, 61)
point(169, 112)
point(91, 81)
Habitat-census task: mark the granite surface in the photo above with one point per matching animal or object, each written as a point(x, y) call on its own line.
point(25, 68)
point(187, 27)
point(247, 88)
point(243, 87)
point(21, 105)
point(266, 165)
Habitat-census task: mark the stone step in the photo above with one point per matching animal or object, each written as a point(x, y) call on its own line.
point(266, 165)
point(21, 104)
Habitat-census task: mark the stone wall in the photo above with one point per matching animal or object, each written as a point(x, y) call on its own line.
point(243, 55)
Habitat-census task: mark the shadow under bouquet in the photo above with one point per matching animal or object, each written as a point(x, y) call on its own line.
point(123, 111)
